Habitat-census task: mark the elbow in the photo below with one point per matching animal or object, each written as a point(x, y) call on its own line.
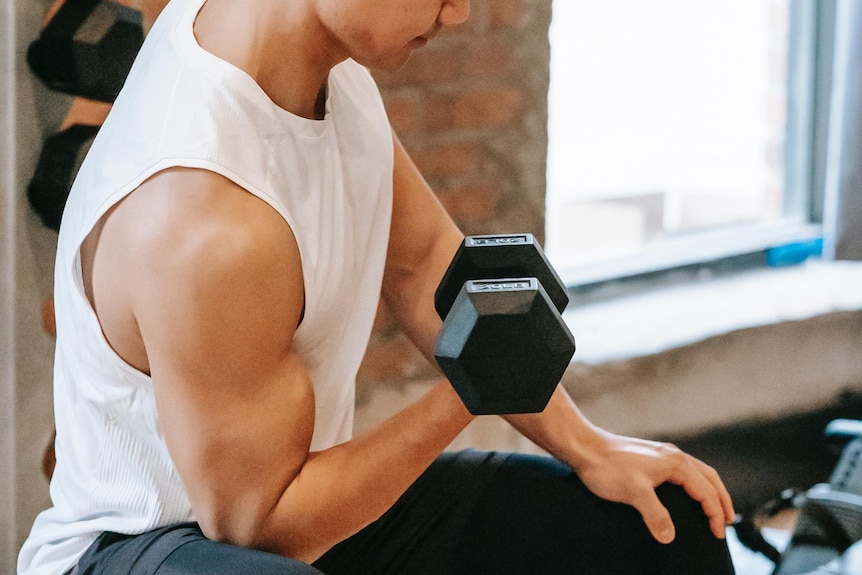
point(252, 531)
point(238, 527)
point(230, 529)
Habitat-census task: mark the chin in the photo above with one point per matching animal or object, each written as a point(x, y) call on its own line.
point(392, 66)
point(391, 63)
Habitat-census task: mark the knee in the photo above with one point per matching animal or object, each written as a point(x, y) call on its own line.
point(695, 549)
point(687, 514)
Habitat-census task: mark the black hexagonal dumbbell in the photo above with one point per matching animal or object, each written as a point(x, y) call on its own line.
point(499, 256)
point(503, 344)
point(58, 164)
point(87, 48)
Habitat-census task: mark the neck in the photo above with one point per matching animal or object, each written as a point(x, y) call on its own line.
point(281, 45)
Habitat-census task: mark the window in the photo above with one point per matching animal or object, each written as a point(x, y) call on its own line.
point(680, 131)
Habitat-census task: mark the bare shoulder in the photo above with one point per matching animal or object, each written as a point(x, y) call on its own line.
point(197, 214)
point(192, 248)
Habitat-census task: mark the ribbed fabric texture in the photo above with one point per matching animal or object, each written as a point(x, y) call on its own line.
point(331, 180)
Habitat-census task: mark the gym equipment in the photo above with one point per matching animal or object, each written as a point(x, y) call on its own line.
point(830, 517)
point(504, 345)
point(827, 535)
point(59, 161)
point(87, 48)
point(499, 256)
point(840, 432)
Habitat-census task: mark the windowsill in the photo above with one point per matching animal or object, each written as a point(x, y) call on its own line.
point(682, 359)
point(664, 318)
point(704, 246)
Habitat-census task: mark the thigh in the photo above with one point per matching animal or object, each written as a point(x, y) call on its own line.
point(476, 513)
point(536, 516)
point(181, 550)
point(418, 534)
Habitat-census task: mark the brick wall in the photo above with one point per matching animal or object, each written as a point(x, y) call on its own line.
point(471, 109)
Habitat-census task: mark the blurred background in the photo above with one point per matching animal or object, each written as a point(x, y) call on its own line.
point(691, 167)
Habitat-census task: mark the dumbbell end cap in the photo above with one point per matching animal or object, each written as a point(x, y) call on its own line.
point(498, 256)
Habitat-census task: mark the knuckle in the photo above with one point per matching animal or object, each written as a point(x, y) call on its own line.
point(711, 472)
point(670, 450)
point(711, 506)
point(676, 456)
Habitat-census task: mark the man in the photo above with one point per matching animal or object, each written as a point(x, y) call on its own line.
point(219, 265)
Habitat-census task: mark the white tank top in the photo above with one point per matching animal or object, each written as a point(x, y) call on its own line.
point(331, 180)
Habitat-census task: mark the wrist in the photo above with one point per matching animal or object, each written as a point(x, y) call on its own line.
point(564, 432)
point(587, 446)
point(451, 402)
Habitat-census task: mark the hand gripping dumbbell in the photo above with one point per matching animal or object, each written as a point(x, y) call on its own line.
point(503, 344)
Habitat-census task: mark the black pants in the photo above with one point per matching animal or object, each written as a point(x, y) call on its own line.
point(470, 513)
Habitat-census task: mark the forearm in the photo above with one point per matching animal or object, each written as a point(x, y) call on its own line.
point(340, 490)
point(422, 242)
point(561, 429)
point(409, 292)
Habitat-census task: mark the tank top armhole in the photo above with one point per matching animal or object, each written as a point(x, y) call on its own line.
point(75, 265)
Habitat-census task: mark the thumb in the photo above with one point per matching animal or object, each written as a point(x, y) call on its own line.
point(656, 517)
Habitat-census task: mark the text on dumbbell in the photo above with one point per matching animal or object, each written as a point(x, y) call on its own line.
point(500, 286)
point(498, 240)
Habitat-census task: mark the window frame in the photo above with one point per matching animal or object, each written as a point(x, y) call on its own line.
point(737, 247)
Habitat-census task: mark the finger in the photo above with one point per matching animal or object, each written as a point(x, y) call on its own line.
point(693, 478)
point(655, 516)
point(724, 496)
